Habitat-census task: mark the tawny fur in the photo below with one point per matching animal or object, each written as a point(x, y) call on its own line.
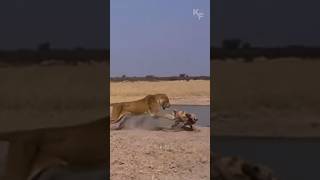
point(32, 152)
point(151, 104)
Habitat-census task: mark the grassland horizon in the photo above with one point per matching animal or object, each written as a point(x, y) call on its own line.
point(193, 92)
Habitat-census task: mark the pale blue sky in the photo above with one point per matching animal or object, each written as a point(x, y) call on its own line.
point(73, 23)
point(159, 37)
point(267, 22)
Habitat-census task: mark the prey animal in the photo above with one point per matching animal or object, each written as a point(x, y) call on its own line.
point(188, 119)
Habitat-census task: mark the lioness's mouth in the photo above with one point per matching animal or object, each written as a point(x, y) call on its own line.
point(165, 106)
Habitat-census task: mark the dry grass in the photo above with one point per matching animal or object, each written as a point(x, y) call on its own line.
point(279, 84)
point(279, 97)
point(54, 95)
point(179, 92)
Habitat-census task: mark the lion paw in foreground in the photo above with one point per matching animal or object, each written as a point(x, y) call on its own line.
point(234, 168)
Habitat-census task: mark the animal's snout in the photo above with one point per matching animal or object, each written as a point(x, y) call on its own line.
point(193, 118)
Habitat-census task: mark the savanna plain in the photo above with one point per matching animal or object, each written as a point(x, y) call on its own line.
point(266, 98)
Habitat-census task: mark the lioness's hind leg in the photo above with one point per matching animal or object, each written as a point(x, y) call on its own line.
point(117, 113)
point(121, 124)
point(121, 117)
point(124, 119)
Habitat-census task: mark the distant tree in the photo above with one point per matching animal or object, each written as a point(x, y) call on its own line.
point(248, 59)
point(184, 76)
point(231, 44)
point(246, 45)
point(296, 46)
point(123, 76)
point(151, 78)
point(79, 48)
point(187, 78)
point(44, 46)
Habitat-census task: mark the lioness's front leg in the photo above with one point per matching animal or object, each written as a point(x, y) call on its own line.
point(166, 116)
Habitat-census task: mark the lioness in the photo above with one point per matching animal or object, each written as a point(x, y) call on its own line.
point(32, 152)
point(151, 104)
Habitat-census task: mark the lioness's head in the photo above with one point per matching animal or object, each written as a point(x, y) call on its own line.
point(163, 100)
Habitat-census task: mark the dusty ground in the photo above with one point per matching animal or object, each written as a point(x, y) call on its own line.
point(158, 155)
point(155, 155)
point(195, 92)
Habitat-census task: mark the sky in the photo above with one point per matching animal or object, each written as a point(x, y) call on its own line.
point(161, 38)
point(70, 23)
point(64, 23)
point(267, 22)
